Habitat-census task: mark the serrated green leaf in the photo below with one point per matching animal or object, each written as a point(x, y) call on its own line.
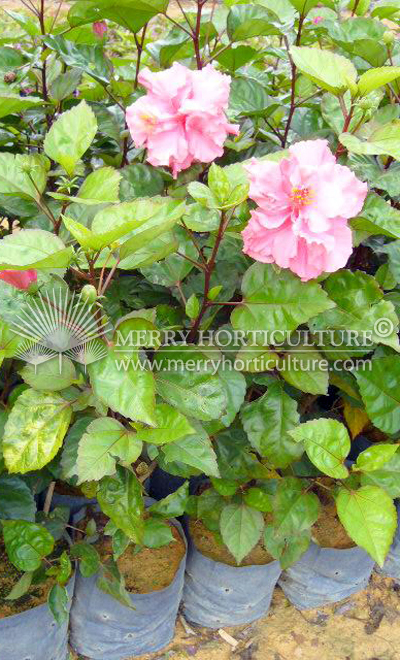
point(267, 422)
point(295, 510)
point(276, 301)
point(48, 376)
point(327, 444)
point(241, 528)
point(71, 136)
point(369, 517)
point(33, 248)
point(375, 457)
point(104, 441)
point(35, 430)
point(379, 387)
point(171, 425)
point(121, 498)
point(324, 68)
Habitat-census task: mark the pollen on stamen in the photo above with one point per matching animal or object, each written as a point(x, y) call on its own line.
point(149, 120)
point(302, 196)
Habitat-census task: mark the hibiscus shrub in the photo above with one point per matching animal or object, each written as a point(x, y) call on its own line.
point(200, 264)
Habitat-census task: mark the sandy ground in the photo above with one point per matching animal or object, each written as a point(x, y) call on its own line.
point(364, 627)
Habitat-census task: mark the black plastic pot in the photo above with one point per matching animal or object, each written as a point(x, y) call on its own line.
point(104, 629)
point(326, 575)
point(217, 595)
point(34, 634)
point(391, 567)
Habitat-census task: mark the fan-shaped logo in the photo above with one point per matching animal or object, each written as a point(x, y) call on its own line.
point(61, 323)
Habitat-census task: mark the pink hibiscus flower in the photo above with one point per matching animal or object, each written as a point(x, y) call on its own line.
point(182, 117)
point(304, 202)
point(20, 279)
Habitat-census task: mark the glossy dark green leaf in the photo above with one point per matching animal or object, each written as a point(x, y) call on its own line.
point(121, 498)
point(26, 543)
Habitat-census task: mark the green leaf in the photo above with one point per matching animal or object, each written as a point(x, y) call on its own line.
point(120, 498)
point(236, 57)
point(100, 186)
point(90, 59)
point(379, 387)
point(11, 103)
point(304, 6)
point(21, 587)
point(169, 212)
point(113, 583)
point(361, 37)
point(194, 391)
point(286, 550)
point(375, 457)
point(63, 571)
point(258, 499)
point(384, 140)
point(369, 517)
point(235, 389)
point(276, 301)
point(267, 422)
point(9, 342)
point(359, 307)
point(241, 528)
point(327, 444)
point(192, 306)
point(57, 601)
point(71, 136)
point(374, 78)
point(173, 505)
point(23, 176)
point(171, 425)
point(152, 251)
point(378, 217)
point(70, 448)
point(48, 376)
point(16, 499)
point(26, 543)
point(65, 84)
point(249, 98)
point(120, 382)
point(246, 21)
point(33, 248)
point(140, 180)
point(89, 563)
point(157, 533)
point(195, 450)
point(303, 369)
point(387, 477)
point(130, 14)
point(295, 510)
point(104, 441)
point(35, 430)
point(324, 68)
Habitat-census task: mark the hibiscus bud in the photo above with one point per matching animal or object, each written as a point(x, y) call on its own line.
point(20, 279)
point(388, 38)
point(100, 29)
point(10, 77)
point(89, 293)
point(366, 103)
